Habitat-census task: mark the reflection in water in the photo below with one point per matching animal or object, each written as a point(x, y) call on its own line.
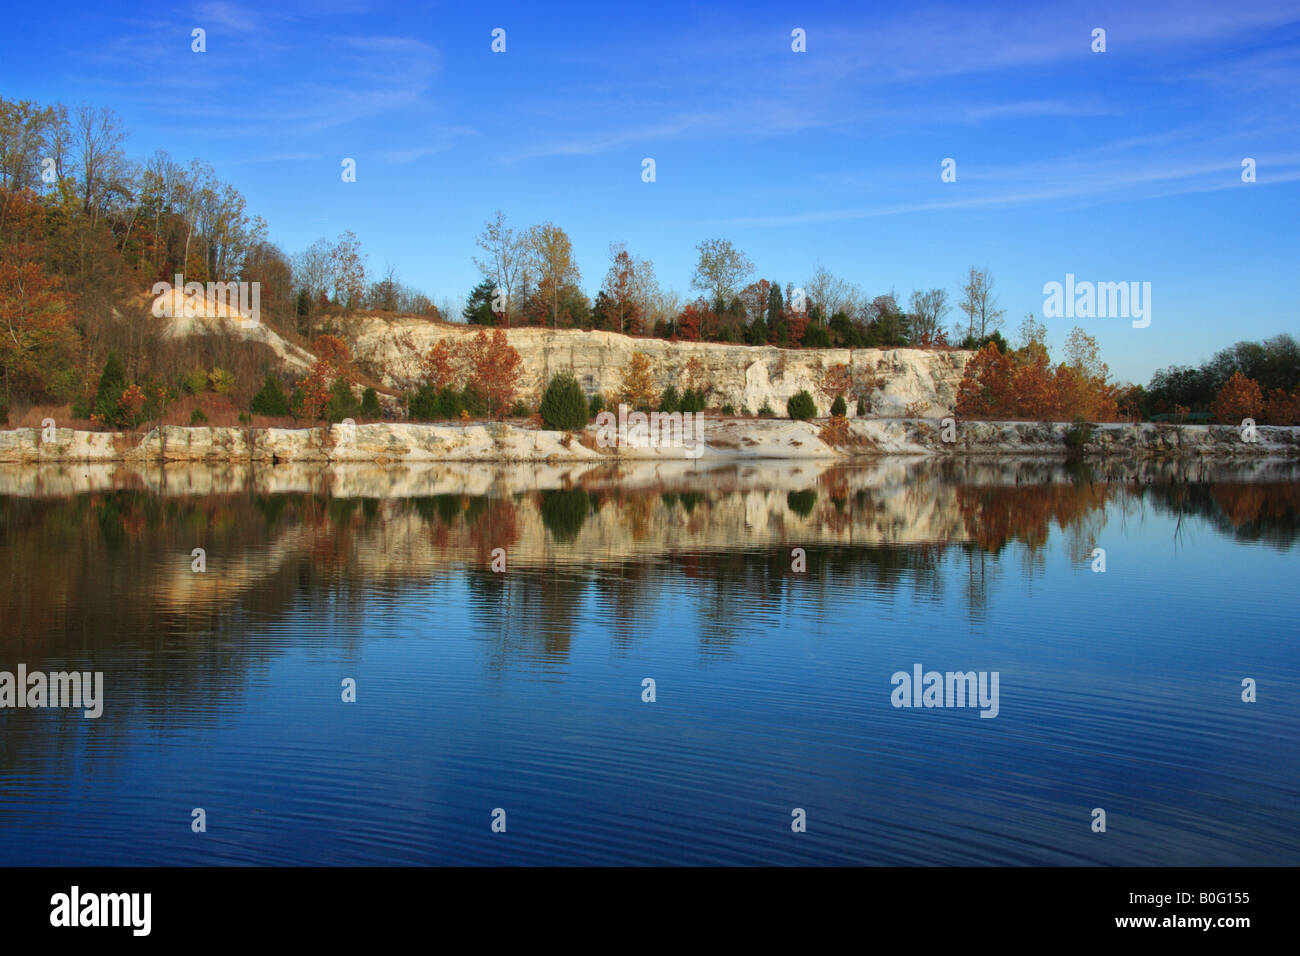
point(773, 678)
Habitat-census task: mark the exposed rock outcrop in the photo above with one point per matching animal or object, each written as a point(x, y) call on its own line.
point(723, 440)
point(740, 375)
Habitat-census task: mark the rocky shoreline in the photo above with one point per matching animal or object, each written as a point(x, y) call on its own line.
point(723, 439)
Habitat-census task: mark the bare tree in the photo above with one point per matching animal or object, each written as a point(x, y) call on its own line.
point(505, 260)
point(101, 162)
point(829, 293)
point(979, 304)
point(928, 310)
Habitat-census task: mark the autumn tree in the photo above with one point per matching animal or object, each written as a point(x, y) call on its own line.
point(1281, 408)
point(987, 388)
point(36, 337)
point(550, 258)
point(834, 381)
point(638, 387)
point(441, 367)
point(493, 366)
point(629, 285)
point(1239, 398)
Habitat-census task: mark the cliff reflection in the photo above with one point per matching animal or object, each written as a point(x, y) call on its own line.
point(104, 581)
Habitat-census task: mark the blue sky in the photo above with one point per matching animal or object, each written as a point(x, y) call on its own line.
point(1115, 166)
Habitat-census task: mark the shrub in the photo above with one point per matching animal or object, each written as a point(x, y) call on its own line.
point(564, 406)
point(816, 337)
point(112, 383)
point(370, 407)
point(670, 402)
point(521, 410)
point(1078, 434)
point(801, 406)
point(692, 401)
point(270, 399)
point(839, 406)
point(222, 382)
point(194, 381)
point(198, 418)
point(342, 403)
point(864, 405)
point(766, 410)
point(4, 411)
point(597, 404)
point(429, 404)
point(728, 409)
point(472, 403)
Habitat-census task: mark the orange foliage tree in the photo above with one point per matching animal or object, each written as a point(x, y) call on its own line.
point(1281, 408)
point(1024, 385)
point(1239, 398)
point(441, 366)
point(333, 360)
point(36, 336)
point(493, 366)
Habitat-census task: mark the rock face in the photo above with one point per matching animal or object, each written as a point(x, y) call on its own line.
point(723, 440)
point(915, 382)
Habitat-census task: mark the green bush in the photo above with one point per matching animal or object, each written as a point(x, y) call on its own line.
point(670, 401)
point(370, 407)
point(426, 403)
point(1078, 434)
point(766, 411)
point(342, 403)
point(864, 406)
point(801, 406)
point(728, 409)
point(816, 337)
point(692, 401)
point(197, 417)
point(194, 381)
point(270, 399)
point(564, 406)
point(473, 403)
point(597, 404)
point(112, 383)
point(839, 406)
point(521, 410)
point(4, 411)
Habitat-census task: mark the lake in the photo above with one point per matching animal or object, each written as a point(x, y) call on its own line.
point(519, 697)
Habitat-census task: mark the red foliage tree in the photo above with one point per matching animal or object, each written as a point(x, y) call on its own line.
point(494, 368)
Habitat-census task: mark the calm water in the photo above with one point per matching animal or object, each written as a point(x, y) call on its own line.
point(522, 690)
